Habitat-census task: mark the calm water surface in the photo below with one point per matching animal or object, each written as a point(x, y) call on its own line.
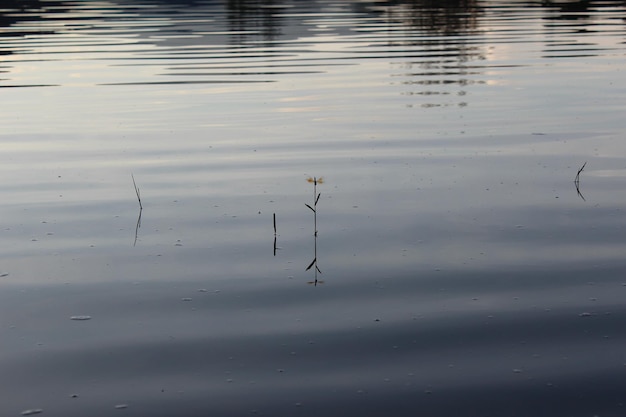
point(457, 269)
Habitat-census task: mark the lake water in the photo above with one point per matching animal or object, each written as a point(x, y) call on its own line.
point(448, 263)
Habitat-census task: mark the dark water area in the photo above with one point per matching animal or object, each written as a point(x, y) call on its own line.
point(305, 208)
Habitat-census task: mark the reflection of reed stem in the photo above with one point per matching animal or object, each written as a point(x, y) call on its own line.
point(275, 234)
point(140, 209)
point(316, 198)
point(137, 227)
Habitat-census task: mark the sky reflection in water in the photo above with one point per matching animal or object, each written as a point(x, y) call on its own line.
point(463, 272)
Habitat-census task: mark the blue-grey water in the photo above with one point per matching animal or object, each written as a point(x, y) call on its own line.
point(464, 253)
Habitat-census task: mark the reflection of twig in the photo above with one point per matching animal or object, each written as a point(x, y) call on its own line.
point(138, 226)
point(577, 181)
point(140, 209)
point(275, 234)
point(578, 190)
point(316, 198)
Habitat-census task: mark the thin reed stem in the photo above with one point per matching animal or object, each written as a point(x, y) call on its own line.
point(316, 198)
point(577, 179)
point(137, 192)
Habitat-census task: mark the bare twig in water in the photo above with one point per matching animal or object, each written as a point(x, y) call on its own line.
point(577, 181)
point(137, 192)
point(311, 264)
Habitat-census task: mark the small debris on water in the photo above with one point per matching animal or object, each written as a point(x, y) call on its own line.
point(80, 318)
point(32, 412)
point(186, 299)
point(6, 274)
point(585, 314)
point(121, 406)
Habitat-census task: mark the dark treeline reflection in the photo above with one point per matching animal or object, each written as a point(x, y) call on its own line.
point(265, 17)
point(16, 11)
point(439, 75)
point(445, 17)
point(255, 15)
point(440, 41)
point(573, 10)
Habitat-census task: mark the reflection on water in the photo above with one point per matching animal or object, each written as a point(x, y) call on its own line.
point(140, 210)
point(577, 181)
point(437, 49)
point(313, 208)
point(464, 275)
